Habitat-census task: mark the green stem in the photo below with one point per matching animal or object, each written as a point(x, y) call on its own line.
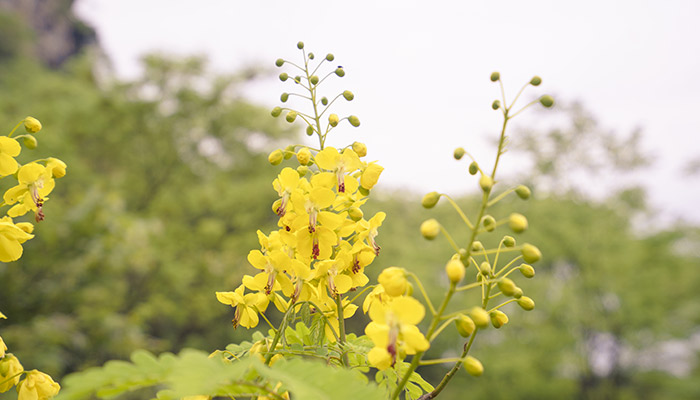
point(341, 326)
point(15, 128)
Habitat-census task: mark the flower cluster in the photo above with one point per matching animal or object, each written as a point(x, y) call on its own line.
point(35, 181)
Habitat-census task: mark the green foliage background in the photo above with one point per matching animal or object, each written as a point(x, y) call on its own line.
point(168, 182)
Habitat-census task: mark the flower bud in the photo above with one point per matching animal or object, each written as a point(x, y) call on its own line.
point(527, 270)
point(517, 222)
point(32, 125)
point(507, 286)
point(333, 119)
point(473, 168)
point(430, 228)
point(518, 293)
point(523, 192)
point(324, 101)
point(300, 45)
point(30, 142)
point(302, 170)
point(489, 223)
point(535, 81)
point(465, 326)
point(495, 76)
point(355, 213)
point(297, 79)
point(485, 268)
point(279, 62)
point(359, 148)
point(430, 199)
point(508, 241)
point(348, 95)
point(340, 72)
point(310, 130)
point(547, 100)
point(486, 183)
point(354, 121)
point(526, 303)
point(531, 254)
point(313, 79)
point(393, 279)
point(473, 366)
point(291, 116)
point(477, 246)
point(289, 152)
point(276, 157)
point(284, 97)
point(479, 316)
point(463, 256)
point(455, 271)
point(276, 112)
point(370, 176)
point(311, 56)
point(304, 155)
point(459, 153)
point(330, 57)
point(284, 76)
point(498, 318)
point(496, 104)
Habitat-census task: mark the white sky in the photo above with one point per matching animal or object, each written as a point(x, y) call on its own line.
point(420, 72)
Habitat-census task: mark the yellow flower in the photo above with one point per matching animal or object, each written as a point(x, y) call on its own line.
point(285, 184)
point(9, 149)
point(329, 159)
point(370, 175)
point(9, 367)
point(3, 347)
point(37, 386)
point(35, 183)
point(393, 331)
point(57, 167)
point(247, 306)
point(370, 230)
point(11, 238)
point(393, 279)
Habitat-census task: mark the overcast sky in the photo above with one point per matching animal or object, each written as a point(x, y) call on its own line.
point(420, 72)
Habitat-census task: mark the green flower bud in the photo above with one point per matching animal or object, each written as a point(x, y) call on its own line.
point(465, 326)
point(463, 255)
point(30, 142)
point(359, 148)
point(486, 183)
point(302, 170)
point(473, 366)
point(507, 286)
point(489, 223)
point(523, 192)
point(363, 191)
point(304, 155)
point(498, 318)
point(311, 56)
point(310, 130)
point(477, 246)
point(479, 316)
point(547, 100)
point(330, 57)
point(313, 80)
point(284, 97)
point(430, 228)
point(284, 76)
point(355, 213)
point(297, 79)
point(517, 222)
point(531, 254)
point(354, 121)
point(508, 241)
point(333, 119)
point(291, 116)
point(496, 104)
point(495, 76)
point(459, 153)
point(526, 303)
point(518, 293)
point(535, 81)
point(276, 112)
point(289, 152)
point(32, 125)
point(430, 199)
point(455, 270)
point(324, 101)
point(300, 45)
point(276, 157)
point(279, 62)
point(485, 268)
point(473, 168)
point(340, 72)
point(527, 270)
point(348, 95)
